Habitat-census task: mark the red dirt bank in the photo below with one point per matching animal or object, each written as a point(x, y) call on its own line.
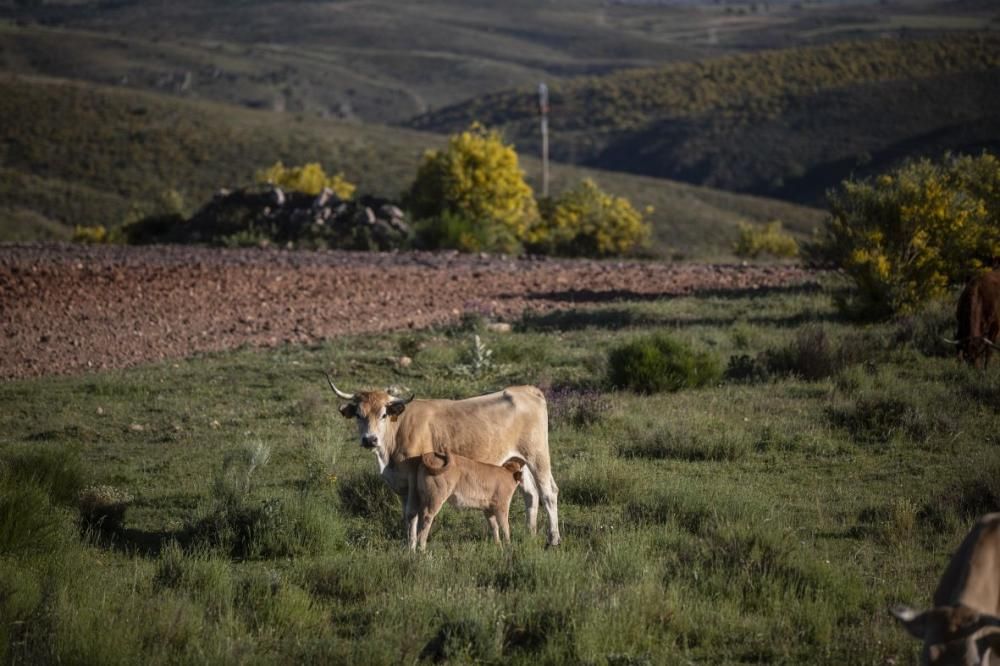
point(71, 308)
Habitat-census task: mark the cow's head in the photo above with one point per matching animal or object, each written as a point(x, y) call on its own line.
point(974, 349)
point(373, 411)
point(952, 634)
point(514, 466)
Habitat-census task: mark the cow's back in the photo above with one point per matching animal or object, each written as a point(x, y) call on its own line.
point(972, 577)
point(488, 427)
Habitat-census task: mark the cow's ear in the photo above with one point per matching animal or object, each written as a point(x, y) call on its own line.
point(395, 408)
point(349, 410)
point(912, 621)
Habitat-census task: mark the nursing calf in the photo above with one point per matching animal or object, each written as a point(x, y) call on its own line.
point(466, 484)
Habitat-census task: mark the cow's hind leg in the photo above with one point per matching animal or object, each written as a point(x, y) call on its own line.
point(530, 490)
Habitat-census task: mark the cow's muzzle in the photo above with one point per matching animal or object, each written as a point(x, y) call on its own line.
point(369, 441)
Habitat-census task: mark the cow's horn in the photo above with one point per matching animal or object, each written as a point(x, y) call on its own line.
point(340, 394)
point(950, 342)
point(990, 343)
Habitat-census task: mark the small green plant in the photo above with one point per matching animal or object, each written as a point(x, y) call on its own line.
point(755, 241)
point(659, 363)
point(477, 361)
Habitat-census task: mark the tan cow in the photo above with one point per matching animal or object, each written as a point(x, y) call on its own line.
point(963, 627)
point(490, 428)
point(466, 484)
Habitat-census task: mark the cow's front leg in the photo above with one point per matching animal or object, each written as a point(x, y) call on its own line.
point(410, 516)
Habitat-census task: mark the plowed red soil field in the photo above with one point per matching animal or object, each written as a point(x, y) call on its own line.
point(71, 308)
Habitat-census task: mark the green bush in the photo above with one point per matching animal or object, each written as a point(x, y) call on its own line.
point(585, 221)
point(659, 363)
point(475, 182)
point(755, 241)
point(908, 235)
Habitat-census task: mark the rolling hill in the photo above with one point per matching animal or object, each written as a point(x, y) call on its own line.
point(74, 153)
point(787, 123)
point(389, 60)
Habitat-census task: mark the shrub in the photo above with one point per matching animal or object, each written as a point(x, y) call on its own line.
point(308, 179)
point(28, 521)
point(755, 241)
point(814, 355)
point(93, 235)
point(904, 237)
point(587, 221)
point(103, 507)
point(475, 190)
point(926, 329)
point(659, 363)
point(578, 407)
point(58, 472)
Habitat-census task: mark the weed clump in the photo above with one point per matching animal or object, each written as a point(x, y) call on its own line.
point(659, 363)
point(103, 507)
point(273, 527)
point(461, 640)
point(814, 355)
point(577, 407)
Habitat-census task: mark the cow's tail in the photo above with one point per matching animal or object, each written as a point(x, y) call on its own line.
point(436, 463)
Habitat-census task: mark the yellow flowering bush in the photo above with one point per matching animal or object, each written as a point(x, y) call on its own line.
point(588, 221)
point(309, 179)
point(755, 241)
point(908, 235)
point(472, 195)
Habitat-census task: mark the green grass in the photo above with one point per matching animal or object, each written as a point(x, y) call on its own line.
point(769, 522)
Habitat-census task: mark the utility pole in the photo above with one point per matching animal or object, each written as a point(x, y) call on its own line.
point(543, 111)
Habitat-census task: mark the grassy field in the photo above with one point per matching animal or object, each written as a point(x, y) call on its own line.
point(768, 519)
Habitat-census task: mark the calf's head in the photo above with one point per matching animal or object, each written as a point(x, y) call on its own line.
point(952, 635)
point(373, 411)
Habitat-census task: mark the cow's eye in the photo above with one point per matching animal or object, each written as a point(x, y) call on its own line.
point(384, 414)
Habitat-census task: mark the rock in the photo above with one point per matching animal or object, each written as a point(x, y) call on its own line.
point(498, 327)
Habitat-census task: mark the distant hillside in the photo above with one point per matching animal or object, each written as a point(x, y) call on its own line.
point(73, 153)
point(389, 60)
point(786, 123)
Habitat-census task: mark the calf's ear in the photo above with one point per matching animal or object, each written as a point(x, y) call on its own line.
point(912, 621)
point(395, 408)
point(349, 410)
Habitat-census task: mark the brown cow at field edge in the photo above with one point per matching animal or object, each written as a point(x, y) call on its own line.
point(978, 316)
point(490, 428)
point(963, 627)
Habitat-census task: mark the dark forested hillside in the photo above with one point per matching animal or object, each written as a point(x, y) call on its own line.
point(788, 123)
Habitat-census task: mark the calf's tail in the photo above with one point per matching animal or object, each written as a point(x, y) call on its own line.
point(436, 463)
